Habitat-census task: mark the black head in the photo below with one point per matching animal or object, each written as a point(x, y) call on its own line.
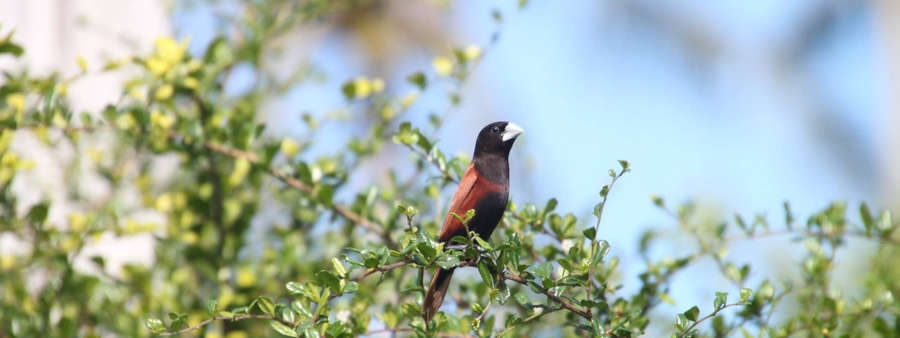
point(496, 139)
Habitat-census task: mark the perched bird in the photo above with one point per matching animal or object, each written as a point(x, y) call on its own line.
point(485, 188)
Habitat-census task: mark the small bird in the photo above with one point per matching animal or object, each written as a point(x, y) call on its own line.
point(485, 188)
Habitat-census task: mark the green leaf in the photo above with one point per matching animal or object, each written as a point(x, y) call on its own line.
point(295, 288)
point(38, 212)
point(692, 313)
point(601, 252)
point(9, 47)
point(155, 325)
point(328, 279)
point(282, 329)
point(179, 321)
point(211, 306)
point(788, 215)
point(551, 205)
point(288, 315)
point(349, 90)
point(338, 267)
point(310, 331)
point(242, 310)
point(740, 222)
point(447, 261)
point(625, 165)
point(884, 221)
point(304, 173)
point(265, 305)
point(418, 79)
point(483, 243)
point(721, 299)
point(325, 195)
point(301, 309)
point(745, 294)
point(485, 272)
point(866, 215)
point(589, 233)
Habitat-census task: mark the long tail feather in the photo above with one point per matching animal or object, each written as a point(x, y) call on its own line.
point(436, 291)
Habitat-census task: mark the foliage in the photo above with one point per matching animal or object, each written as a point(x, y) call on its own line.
point(350, 259)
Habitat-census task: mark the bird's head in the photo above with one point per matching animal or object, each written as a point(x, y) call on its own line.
point(497, 138)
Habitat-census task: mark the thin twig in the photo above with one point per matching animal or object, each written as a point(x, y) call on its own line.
point(713, 314)
point(210, 320)
point(589, 286)
point(445, 173)
point(303, 187)
point(566, 304)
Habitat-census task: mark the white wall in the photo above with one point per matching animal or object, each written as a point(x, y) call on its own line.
point(54, 33)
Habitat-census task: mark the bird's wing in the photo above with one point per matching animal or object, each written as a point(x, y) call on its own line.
point(472, 188)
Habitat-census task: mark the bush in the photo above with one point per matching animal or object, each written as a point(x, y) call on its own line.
point(352, 259)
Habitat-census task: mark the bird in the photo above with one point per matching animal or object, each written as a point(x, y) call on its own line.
point(484, 187)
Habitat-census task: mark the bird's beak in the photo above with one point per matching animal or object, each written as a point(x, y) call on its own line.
point(511, 131)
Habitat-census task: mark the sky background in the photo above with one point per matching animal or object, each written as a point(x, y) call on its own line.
point(762, 114)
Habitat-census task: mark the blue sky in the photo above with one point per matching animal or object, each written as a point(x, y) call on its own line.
point(591, 89)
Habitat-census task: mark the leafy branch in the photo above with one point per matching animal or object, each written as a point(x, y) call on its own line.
point(687, 331)
point(598, 212)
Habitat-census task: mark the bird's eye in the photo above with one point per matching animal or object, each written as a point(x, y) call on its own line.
point(495, 129)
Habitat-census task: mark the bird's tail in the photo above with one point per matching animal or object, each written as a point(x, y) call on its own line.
point(436, 291)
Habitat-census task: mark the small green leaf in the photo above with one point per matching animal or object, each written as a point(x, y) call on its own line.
point(469, 215)
point(866, 215)
point(325, 195)
point(721, 299)
point(338, 267)
point(788, 215)
point(211, 306)
point(625, 165)
point(9, 47)
point(692, 313)
point(589, 233)
point(328, 279)
point(745, 294)
point(301, 309)
point(288, 315)
point(155, 325)
point(447, 261)
point(884, 221)
point(486, 275)
point(658, 201)
point(601, 252)
point(265, 305)
point(179, 321)
point(483, 243)
point(295, 288)
point(740, 222)
point(38, 212)
point(242, 310)
point(418, 79)
point(551, 205)
point(310, 331)
point(284, 330)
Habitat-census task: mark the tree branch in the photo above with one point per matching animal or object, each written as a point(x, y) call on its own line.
point(566, 304)
point(430, 159)
point(216, 318)
point(713, 314)
point(589, 285)
point(295, 183)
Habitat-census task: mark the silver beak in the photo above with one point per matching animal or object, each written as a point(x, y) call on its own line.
point(511, 131)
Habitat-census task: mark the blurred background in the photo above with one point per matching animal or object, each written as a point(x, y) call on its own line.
point(737, 105)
